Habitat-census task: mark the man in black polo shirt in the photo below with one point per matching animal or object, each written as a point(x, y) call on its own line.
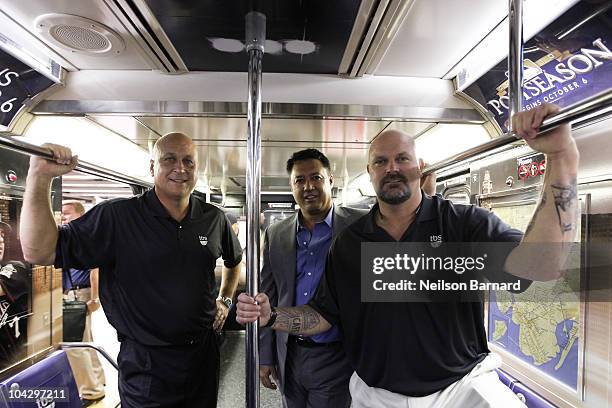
point(156, 254)
point(429, 354)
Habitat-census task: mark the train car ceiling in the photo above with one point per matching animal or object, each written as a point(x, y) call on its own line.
point(119, 90)
point(391, 37)
point(302, 36)
point(447, 36)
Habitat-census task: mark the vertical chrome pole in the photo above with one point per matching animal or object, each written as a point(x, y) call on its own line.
point(515, 59)
point(255, 39)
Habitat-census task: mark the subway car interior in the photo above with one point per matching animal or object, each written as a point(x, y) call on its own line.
point(107, 78)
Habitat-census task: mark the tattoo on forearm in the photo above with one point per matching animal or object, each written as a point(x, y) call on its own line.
point(565, 204)
point(296, 324)
point(297, 320)
point(565, 200)
point(535, 214)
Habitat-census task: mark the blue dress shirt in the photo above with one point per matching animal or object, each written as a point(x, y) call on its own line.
point(312, 249)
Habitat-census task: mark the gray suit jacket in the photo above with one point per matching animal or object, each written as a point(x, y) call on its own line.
point(278, 278)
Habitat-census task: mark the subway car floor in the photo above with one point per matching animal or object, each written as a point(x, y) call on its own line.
point(231, 383)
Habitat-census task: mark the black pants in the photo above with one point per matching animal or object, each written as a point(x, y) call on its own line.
point(169, 376)
point(316, 377)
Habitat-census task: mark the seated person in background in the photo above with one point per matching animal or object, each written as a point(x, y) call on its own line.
point(83, 285)
point(14, 303)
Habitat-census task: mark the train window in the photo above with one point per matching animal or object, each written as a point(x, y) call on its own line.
point(444, 140)
point(272, 216)
point(458, 195)
point(359, 188)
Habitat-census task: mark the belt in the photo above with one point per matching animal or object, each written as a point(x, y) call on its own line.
point(308, 342)
point(67, 291)
point(188, 341)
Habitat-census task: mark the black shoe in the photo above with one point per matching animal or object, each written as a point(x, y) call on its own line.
point(88, 402)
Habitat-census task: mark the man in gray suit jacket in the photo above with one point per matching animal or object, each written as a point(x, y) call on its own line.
point(311, 371)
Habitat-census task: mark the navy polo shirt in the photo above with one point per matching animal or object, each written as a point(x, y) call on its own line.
point(157, 280)
point(414, 349)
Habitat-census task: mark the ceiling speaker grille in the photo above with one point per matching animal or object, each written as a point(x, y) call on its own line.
point(79, 34)
point(79, 38)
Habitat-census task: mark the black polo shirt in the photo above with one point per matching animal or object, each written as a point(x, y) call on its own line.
point(414, 349)
point(15, 281)
point(157, 280)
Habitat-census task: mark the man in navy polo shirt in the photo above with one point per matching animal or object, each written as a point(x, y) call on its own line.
point(156, 254)
point(83, 285)
point(430, 354)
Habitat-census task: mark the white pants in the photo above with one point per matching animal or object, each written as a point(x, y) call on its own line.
point(480, 388)
point(86, 366)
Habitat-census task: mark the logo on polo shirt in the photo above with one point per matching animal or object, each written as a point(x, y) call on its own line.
point(8, 271)
point(435, 240)
point(203, 240)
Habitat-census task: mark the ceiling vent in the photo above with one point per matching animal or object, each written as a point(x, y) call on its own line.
point(376, 25)
point(79, 35)
point(148, 33)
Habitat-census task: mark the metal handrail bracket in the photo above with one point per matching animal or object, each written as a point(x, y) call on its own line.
point(99, 349)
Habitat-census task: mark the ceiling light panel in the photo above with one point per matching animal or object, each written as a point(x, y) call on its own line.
point(92, 143)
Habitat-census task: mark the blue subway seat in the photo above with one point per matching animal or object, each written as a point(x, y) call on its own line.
point(505, 378)
point(53, 372)
point(530, 398)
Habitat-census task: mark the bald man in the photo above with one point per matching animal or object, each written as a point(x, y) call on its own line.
point(156, 254)
point(430, 354)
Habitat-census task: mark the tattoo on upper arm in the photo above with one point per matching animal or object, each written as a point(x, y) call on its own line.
point(565, 204)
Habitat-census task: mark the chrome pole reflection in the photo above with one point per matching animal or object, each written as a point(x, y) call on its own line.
point(255, 39)
point(515, 59)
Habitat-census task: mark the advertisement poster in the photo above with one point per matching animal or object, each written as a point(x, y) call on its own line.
point(15, 288)
point(567, 62)
point(18, 83)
